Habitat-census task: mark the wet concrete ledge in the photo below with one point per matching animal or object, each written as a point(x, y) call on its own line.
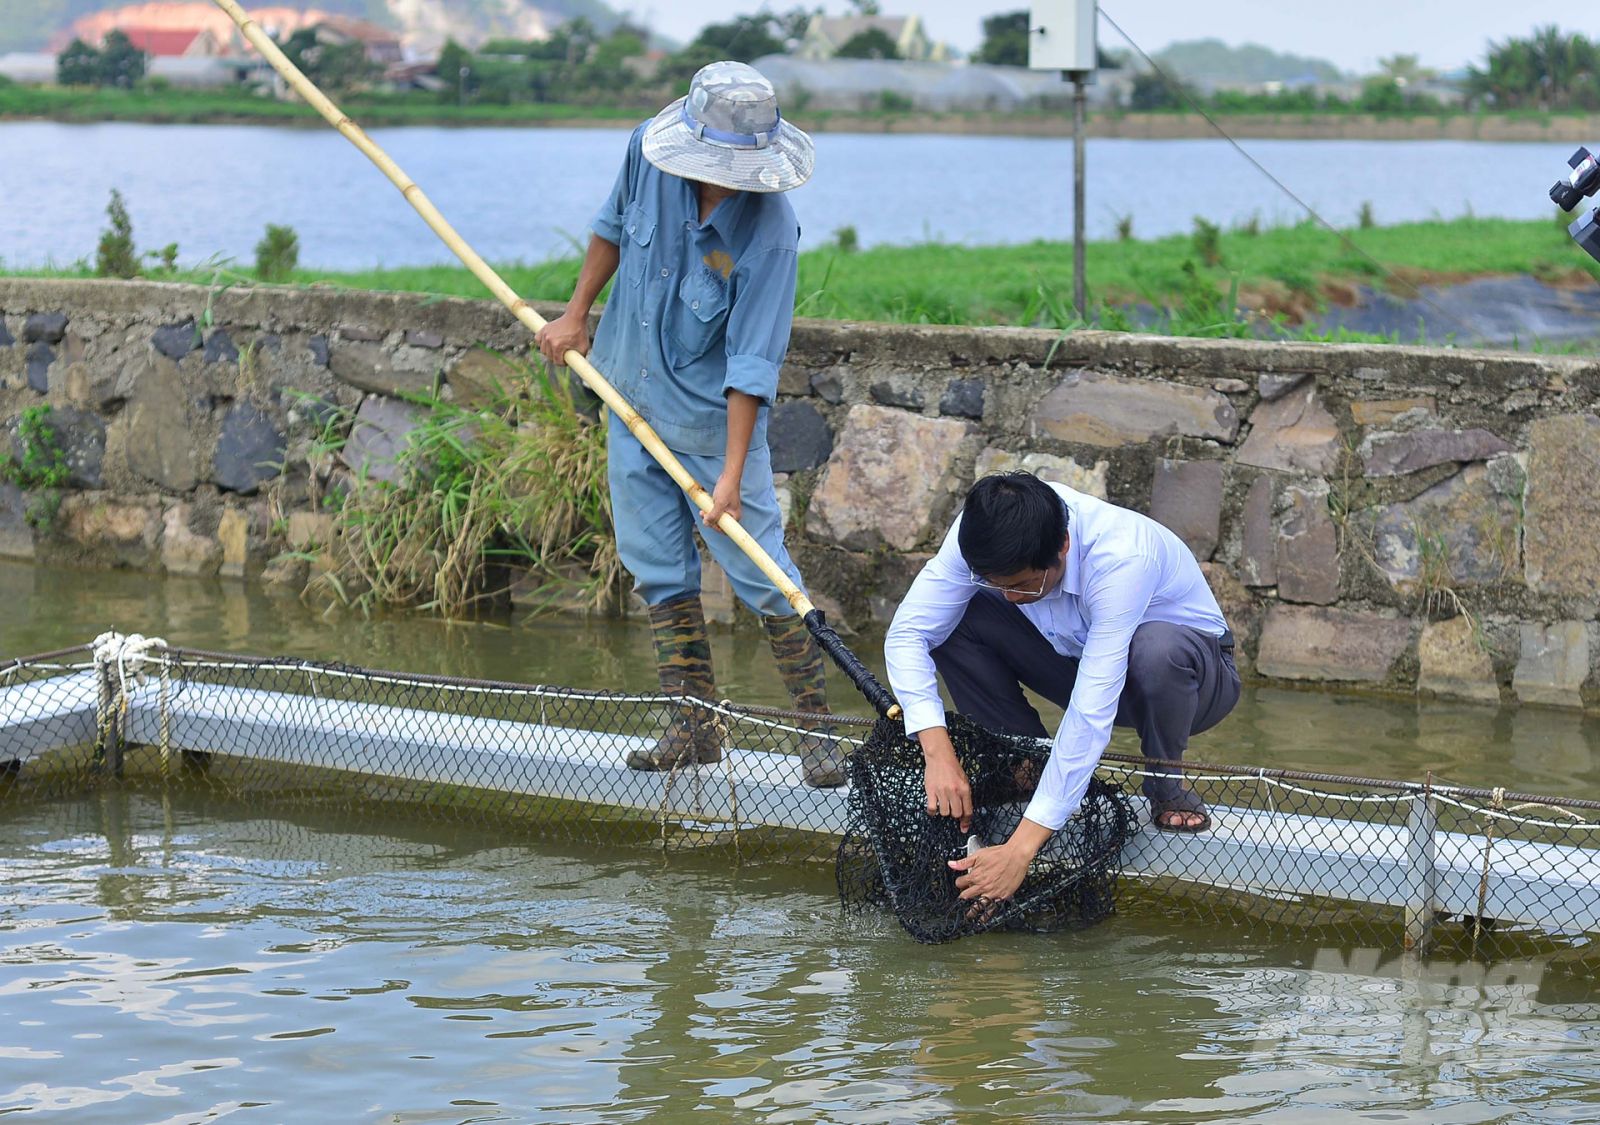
point(1411, 865)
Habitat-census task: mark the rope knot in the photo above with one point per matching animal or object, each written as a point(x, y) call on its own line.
point(127, 652)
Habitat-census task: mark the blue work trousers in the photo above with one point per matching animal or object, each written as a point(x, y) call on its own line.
point(656, 523)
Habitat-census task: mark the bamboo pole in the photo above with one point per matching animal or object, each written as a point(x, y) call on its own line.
point(591, 377)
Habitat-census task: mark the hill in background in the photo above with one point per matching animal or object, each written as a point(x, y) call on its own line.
point(29, 25)
point(1207, 62)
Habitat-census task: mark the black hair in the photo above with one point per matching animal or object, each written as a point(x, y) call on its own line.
point(1012, 522)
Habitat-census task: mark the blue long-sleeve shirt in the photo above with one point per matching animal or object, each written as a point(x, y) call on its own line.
point(1123, 569)
point(696, 309)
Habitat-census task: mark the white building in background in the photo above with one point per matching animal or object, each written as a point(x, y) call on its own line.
point(209, 73)
point(191, 72)
point(872, 84)
point(31, 68)
point(826, 34)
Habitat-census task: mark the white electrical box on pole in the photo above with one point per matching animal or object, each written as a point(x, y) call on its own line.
point(1061, 36)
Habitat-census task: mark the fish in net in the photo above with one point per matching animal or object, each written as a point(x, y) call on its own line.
point(894, 853)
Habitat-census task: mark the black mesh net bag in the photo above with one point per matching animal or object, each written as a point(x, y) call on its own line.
point(894, 853)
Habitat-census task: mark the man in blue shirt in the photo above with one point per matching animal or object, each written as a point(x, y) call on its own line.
point(1097, 608)
point(703, 246)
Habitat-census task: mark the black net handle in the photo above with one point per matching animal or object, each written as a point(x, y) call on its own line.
point(878, 696)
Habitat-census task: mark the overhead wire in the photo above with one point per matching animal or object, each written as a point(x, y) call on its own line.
point(1178, 90)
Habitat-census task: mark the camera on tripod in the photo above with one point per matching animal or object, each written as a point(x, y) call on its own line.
point(1568, 193)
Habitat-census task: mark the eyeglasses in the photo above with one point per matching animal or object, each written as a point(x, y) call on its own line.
point(979, 580)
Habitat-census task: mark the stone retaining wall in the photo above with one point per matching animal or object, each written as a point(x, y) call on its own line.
point(1408, 519)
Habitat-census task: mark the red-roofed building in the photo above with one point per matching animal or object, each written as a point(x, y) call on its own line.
point(165, 43)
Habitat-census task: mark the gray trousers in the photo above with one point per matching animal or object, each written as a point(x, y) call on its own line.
point(1180, 682)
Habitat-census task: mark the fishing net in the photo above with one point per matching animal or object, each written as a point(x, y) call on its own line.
point(1390, 865)
point(894, 853)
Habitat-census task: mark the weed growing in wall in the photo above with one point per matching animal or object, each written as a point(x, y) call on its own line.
point(519, 481)
point(41, 466)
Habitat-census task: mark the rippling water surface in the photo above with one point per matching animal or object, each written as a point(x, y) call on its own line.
point(167, 956)
point(164, 960)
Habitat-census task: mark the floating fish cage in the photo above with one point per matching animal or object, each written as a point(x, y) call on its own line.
point(1401, 864)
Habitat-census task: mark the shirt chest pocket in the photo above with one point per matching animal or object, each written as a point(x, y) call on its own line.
point(700, 314)
point(638, 228)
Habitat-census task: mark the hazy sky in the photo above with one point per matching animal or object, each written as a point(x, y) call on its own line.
point(1354, 34)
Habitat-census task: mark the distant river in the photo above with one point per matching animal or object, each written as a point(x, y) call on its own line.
point(527, 194)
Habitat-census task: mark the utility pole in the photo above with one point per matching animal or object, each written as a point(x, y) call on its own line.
point(1080, 290)
point(1061, 36)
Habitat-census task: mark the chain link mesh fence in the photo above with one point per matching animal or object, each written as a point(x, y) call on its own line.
point(1470, 873)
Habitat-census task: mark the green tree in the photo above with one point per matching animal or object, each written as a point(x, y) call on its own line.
point(455, 73)
point(1405, 70)
point(115, 257)
point(791, 26)
point(742, 38)
point(1380, 94)
point(337, 66)
point(507, 81)
point(867, 7)
point(1551, 70)
point(1005, 40)
point(607, 68)
point(572, 42)
point(873, 43)
point(78, 65)
point(121, 63)
point(1152, 92)
point(303, 50)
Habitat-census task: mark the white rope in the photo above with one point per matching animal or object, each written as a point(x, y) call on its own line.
point(46, 665)
point(543, 691)
point(775, 724)
point(123, 650)
point(1262, 778)
point(128, 652)
point(1508, 815)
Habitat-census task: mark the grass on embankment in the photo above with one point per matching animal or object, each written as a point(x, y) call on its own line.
point(1290, 270)
point(1287, 271)
point(173, 106)
point(164, 104)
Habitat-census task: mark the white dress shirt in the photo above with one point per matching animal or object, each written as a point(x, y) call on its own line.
point(1122, 569)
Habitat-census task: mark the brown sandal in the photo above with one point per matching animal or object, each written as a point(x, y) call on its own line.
point(1161, 810)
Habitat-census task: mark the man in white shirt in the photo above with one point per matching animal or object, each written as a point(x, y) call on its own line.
point(1097, 608)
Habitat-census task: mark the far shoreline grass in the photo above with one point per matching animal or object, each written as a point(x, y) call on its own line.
point(172, 106)
point(1274, 277)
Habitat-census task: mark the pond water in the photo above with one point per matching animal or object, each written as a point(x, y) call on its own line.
point(528, 194)
point(1531, 749)
point(178, 962)
point(171, 955)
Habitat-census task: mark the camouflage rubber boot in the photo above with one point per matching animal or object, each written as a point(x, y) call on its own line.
point(683, 665)
point(800, 663)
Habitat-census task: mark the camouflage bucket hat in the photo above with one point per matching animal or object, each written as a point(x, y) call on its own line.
point(728, 132)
